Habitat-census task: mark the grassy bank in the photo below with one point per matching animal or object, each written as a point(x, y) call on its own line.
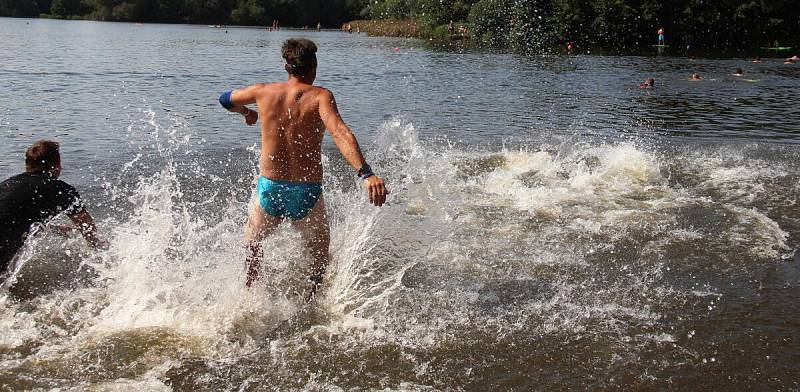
point(388, 28)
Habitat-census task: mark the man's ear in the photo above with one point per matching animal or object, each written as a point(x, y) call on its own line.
point(288, 68)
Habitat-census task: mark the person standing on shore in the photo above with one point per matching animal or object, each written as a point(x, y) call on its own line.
point(294, 115)
point(660, 36)
point(35, 197)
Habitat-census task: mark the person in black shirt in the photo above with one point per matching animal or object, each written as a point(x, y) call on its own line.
point(37, 196)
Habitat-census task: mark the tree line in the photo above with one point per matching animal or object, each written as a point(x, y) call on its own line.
point(519, 25)
point(541, 25)
point(295, 13)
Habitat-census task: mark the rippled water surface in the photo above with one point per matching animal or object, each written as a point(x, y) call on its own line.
point(552, 226)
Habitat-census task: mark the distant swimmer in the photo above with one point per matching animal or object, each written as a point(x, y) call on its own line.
point(696, 76)
point(294, 115)
point(756, 60)
point(660, 36)
point(738, 72)
point(791, 60)
point(650, 82)
point(35, 197)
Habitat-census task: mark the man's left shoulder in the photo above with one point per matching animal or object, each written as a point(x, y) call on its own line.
point(322, 92)
point(68, 198)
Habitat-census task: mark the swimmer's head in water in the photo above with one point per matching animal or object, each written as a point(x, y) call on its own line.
point(739, 71)
point(43, 157)
point(695, 76)
point(300, 55)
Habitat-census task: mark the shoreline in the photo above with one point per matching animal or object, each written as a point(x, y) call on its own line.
point(407, 28)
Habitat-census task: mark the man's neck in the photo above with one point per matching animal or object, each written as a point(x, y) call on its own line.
point(300, 80)
point(40, 173)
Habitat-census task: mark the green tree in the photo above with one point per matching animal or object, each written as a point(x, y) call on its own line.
point(490, 20)
point(571, 20)
point(18, 8)
point(249, 12)
point(611, 22)
point(136, 11)
point(208, 11)
point(530, 28)
point(171, 11)
point(68, 8)
point(391, 9)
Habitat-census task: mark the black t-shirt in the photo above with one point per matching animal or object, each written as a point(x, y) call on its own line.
point(28, 198)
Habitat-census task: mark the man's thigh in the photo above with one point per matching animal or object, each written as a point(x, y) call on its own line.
point(259, 223)
point(315, 226)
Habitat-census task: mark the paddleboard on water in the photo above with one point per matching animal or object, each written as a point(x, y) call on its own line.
point(661, 46)
point(779, 48)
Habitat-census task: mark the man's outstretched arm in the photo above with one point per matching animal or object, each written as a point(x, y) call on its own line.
point(348, 145)
point(236, 101)
point(86, 226)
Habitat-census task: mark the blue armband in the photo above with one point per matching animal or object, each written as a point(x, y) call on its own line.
point(225, 100)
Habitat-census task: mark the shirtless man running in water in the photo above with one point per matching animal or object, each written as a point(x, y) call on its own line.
point(294, 115)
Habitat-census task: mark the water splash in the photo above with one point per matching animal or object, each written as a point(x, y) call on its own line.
point(590, 243)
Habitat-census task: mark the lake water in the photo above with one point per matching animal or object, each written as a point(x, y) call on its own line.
point(552, 226)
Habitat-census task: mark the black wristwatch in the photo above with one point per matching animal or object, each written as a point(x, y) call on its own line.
point(365, 172)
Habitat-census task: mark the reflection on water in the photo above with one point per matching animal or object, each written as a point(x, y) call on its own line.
point(551, 225)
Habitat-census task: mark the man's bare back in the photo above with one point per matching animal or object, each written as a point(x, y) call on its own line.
point(291, 131)
point(294, 115)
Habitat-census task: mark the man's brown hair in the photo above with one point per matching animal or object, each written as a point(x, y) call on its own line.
point(42, 156)
point(300, 55)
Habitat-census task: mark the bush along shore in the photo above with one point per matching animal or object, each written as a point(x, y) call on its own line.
point(408, 28)
point(543, 26)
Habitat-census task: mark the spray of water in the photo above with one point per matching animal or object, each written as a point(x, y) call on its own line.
point(475, 250)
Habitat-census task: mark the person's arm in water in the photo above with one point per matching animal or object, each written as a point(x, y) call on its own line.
point(85, 224)
point(346, 143)
point(236, 101)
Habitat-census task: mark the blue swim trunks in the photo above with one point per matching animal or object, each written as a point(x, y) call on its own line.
point(286, 199)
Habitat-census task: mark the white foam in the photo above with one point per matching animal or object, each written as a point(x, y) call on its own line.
point(597, 187)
